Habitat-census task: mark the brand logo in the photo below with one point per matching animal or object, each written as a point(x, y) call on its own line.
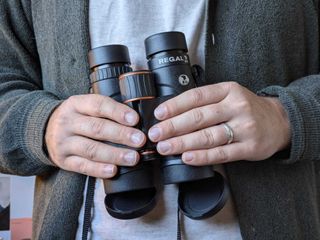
point(184, 79)
point(172, 59)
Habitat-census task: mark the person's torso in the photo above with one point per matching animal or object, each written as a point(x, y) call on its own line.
point(257, 43)
point(129, 23)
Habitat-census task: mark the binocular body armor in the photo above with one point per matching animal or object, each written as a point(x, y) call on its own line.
point(132, 192)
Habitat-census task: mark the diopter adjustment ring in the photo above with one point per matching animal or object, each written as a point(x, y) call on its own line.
point(108, 72)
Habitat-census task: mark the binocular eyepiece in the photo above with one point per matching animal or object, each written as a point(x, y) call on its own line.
point(132, 192)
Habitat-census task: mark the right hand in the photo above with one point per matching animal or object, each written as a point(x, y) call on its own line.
point(77, 128)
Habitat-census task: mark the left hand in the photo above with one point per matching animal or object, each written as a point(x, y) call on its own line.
point(192, 125)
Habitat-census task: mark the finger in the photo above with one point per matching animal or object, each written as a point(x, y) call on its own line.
point(106, 130)
point(191, 99)
point(203, 139)
point(222, 154)
point(190, 121)
point(104, 107)
point(101, 152)
point(90, 168)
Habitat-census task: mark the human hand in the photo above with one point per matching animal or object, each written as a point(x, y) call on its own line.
point(192, 124)
point(76, 128)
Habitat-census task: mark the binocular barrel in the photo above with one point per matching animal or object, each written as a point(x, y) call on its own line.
point(131, 193)
point(168, 60)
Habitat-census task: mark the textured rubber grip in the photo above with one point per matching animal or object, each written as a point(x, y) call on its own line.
point(108, 72)
point(137, 85)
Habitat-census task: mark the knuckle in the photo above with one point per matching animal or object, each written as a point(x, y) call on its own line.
point(207, 158)
point(221, 155)
point(122, 136)
point(171, 127)
point(117, 156)
point(251, 127)
point(72, 100)
point(198, 116)
point(70, 103)
point(66, 164)
point(214, 110)
point(179, 145)
point(197, 95)
point(208, 138)
point(60, 117)
point(169, 105)
point(61, 120)
point(114, 110)
point(59, 147)
point(245, 106)
point(233, 85)
point(58, 160)
point(91, 150)
point(97, 126)
point(252, 147)
point(82, 167)
point(113, 154)
point(98, 106)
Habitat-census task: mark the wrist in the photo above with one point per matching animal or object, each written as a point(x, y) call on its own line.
point(283, 123)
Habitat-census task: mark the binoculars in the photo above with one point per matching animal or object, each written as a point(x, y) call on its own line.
point(132, 192)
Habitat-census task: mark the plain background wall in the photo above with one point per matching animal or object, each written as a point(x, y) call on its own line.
point(21, 199)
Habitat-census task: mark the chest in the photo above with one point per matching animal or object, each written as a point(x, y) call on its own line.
point(261, 43)
point(249, 36)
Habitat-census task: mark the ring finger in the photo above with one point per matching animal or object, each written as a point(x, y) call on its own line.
point(203, 139)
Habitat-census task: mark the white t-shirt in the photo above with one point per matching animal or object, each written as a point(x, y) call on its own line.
point(129, 22)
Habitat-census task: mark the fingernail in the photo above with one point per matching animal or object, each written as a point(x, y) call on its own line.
point(109, 169)
point(130, 158)
point(160, 112)
point(163, 147)
point(188, 157)
point(154, 133)
point(137, 138)
point(130, 117)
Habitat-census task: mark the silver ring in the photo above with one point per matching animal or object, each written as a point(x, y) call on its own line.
point(229, 132)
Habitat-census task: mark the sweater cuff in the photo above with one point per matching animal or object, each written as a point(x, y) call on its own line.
point(33, 127)
point(303, 123)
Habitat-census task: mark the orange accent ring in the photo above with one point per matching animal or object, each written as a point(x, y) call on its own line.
point(122, 76)
point(148, 152)
point(137, 99)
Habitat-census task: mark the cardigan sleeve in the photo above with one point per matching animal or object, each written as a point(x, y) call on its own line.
point(301, 100)
point(24, 106)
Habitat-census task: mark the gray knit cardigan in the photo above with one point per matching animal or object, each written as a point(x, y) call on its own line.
point(268, 46)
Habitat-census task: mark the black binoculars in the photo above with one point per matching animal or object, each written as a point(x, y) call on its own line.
point(132, 192)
